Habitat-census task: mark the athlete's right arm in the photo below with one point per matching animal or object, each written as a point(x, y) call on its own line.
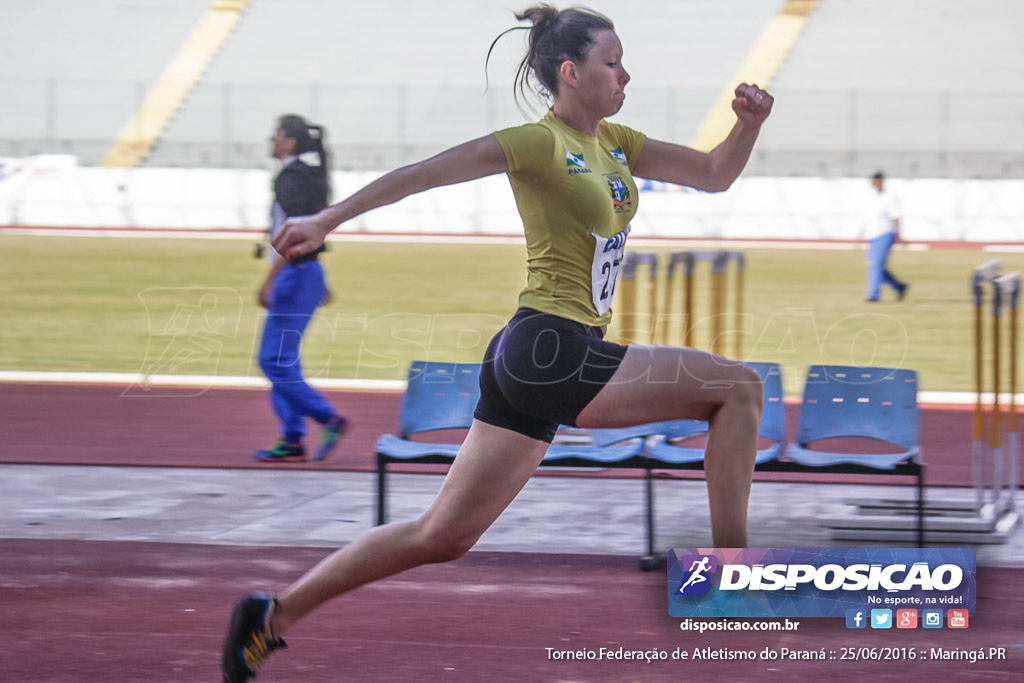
point(468, 161)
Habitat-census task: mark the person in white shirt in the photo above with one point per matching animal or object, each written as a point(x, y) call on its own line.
point(883, 231)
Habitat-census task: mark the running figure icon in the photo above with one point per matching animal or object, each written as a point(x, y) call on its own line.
point(697, 570)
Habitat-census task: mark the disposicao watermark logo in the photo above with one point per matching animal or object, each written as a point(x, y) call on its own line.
point(695, 581)
point(818, 582)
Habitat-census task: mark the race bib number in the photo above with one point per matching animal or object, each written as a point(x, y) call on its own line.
point(608, 255)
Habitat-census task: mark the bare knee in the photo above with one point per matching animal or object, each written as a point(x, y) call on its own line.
point(443, 543)
point(752, 388)
point(745, 389)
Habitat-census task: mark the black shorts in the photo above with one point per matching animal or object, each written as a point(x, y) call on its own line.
point(541, 371)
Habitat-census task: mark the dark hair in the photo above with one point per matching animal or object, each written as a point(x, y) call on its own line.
point(308, 138)
point(555, 36)
point(878, 176)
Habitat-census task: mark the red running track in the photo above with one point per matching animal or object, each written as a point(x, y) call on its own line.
point(108, 612)
point(98, 425)
point(73, 611)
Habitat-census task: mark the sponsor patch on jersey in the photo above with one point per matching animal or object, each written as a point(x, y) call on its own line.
point(621, 200)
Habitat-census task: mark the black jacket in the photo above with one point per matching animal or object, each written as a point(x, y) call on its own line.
point(301, 190)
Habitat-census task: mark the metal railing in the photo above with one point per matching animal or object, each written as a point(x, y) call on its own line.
point(939, 134)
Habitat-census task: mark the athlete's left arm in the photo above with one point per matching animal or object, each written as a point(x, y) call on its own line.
point(716, 170)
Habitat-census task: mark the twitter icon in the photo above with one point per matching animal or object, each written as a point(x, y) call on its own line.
point(881, 618)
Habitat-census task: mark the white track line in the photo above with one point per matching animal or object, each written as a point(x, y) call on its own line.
point(132, 379)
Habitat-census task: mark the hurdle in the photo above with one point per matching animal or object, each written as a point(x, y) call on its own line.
point(1010, 285)
point(996, 434)
point(981, 276)
point(1004, 437)
point(678, 298)
point(987, 514)
point(999, 448)
point(636, 297)
point(665, 302)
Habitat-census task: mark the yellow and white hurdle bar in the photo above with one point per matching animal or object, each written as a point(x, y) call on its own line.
point(658, 305)
point(1001, 448)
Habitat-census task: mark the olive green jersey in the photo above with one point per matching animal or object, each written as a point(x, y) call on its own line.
point(576, 197)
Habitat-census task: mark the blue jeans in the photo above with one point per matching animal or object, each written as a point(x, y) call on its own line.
point(298, 291)
point(878, 274)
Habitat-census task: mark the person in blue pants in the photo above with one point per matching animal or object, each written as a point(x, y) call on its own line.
point(883, 231)
point(291, 293)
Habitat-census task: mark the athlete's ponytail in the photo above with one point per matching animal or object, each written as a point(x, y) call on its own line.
point(555, 37)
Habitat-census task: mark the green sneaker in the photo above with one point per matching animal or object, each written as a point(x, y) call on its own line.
point(333, 431)
point(282, 451)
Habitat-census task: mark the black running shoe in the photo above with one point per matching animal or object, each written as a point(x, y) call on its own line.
point(249, 641)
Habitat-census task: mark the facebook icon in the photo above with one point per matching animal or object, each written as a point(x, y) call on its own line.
point(856, 618)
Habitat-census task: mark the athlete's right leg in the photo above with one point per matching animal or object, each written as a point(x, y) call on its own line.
point(491, 468)
point(656, 383)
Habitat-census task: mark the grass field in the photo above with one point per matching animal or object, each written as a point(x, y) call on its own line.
point(179, 306)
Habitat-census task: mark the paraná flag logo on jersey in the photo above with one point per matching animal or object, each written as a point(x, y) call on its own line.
point(575, 160)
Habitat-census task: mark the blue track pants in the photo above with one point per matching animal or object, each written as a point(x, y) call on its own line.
point(298, 291)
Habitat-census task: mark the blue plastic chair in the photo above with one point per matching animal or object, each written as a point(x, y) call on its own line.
point(664, 454)
point(867, 402)
point(438, 396)
point(441, 396)
point(607, 451)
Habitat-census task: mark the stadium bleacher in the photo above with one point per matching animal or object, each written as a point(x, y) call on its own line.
point(926, 91)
